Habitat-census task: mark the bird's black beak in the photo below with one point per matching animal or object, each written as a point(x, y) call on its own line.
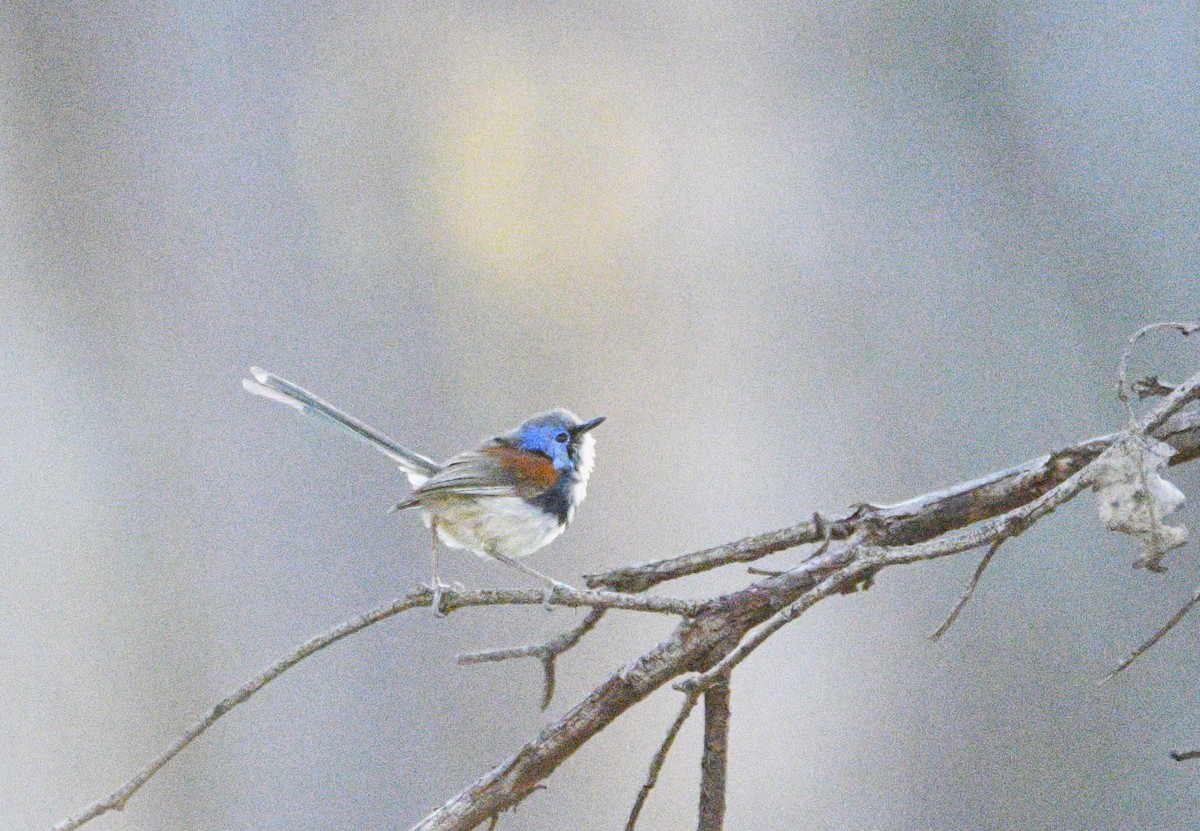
point(586, 426)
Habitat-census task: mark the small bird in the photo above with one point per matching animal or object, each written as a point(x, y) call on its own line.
point(507, 498)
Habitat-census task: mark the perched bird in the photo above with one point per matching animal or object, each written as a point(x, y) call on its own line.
point(505, 499)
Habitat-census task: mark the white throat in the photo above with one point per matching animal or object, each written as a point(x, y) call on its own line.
point(587, 460)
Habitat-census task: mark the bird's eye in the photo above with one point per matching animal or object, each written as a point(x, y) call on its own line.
point(562, 438)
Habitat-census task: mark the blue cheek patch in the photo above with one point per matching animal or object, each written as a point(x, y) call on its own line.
point(541, 435)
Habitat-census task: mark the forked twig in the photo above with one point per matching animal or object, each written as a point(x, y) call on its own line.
point(546, 652)
point(846, 571)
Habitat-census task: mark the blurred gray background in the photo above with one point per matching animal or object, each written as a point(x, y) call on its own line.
point(801, 255)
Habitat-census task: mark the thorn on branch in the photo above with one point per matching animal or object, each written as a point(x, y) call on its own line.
point(548, 661)
point(764, 572)
point(1150, 387)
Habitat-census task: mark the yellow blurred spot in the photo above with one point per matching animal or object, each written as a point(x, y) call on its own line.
point(541, 171)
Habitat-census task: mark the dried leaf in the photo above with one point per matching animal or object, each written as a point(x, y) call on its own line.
point(1133, 498)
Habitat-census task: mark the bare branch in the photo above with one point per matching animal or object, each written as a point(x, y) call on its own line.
point(451, 600)
point(643, 576)
point(685, 710)
point(698, 643)
point(715, 760)
point(715, 635)
point(1011, 523)
point(1185, 755)
point(966, 596)
point(545, 652)
point(921, 518)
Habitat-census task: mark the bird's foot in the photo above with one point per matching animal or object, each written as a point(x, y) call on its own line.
point(438, 587)
point(553, 588)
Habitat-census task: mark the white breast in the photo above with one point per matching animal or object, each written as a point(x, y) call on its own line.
point(510, 523)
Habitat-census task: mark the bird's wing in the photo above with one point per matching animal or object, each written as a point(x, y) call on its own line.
point(494, 470)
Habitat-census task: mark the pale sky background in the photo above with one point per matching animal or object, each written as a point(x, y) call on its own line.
point(801, 255)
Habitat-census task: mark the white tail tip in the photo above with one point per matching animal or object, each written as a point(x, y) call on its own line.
point(257, 386)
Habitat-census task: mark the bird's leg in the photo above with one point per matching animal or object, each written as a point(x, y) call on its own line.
point(436, 583)
point(554, 585)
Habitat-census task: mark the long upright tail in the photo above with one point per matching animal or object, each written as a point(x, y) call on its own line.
point(418, 468)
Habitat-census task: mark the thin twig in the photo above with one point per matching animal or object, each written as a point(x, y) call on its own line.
point(1185, 755)
point(715, 760)
point(451, 600)
point(1172, 403)
point(966, 596)
point(642, 576)
point(685, 710)
point(823, 527)
point(117, 799)
point(1156, 637)
point(546, 652)
point(1178, 397)
point(1186, 328)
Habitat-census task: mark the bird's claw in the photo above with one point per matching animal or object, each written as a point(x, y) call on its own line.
point(553, 589)
point(437, 587)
